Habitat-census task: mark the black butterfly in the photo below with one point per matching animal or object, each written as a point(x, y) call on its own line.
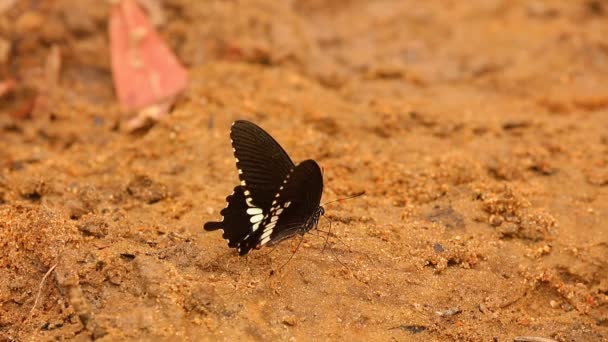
point(275, 200)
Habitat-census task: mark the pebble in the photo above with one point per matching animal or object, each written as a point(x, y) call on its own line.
point(437, 247)
point(495, 220)
point(449, 312)
point(289, 320)
point(414, 329)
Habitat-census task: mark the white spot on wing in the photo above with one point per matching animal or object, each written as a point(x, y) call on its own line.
point(254, 228)
point(266, 234)
point(274, 219)
point(256, 218)
point(254, 211)
point(286, 205)
point(243, 183)
point(264, 240)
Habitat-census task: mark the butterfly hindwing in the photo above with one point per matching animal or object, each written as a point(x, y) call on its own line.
point(261, 162)
point(295, 205)
point(235, 222)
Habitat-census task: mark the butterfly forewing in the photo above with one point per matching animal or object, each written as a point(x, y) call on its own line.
point(261, 162)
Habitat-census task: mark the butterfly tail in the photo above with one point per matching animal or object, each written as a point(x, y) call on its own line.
point(235, 221)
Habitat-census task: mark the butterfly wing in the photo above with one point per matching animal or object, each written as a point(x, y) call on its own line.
point(275, 199)
point(293, 208)
point(261, 162)
point(235, 222)
point(303, 191)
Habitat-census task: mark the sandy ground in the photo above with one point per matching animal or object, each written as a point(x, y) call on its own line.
point(478, 130)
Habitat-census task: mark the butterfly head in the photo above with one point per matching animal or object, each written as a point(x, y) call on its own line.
point(314, 219)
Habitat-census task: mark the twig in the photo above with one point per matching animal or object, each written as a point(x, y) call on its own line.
point(532, 339)
point(449, 312)
point(513, 300)
point(40, 290)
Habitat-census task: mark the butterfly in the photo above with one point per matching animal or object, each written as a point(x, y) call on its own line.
point(275, 199)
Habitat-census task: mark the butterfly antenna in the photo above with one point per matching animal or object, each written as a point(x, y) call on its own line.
point(345, 198)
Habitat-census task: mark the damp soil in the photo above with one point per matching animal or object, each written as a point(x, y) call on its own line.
point(477, 129)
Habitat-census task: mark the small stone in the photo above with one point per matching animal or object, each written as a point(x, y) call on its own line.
point(495, 220)
point(147, 190)
point(509, 229)
point(204, 301)
point(543, 250)
point(554, 304)
point(447, 217)
point(114, 276)
point(289, 320)
point(75, 209)
point(98, 332)
point(32, 189)
point(414, 329)
point(93, 226)
point(449, 312)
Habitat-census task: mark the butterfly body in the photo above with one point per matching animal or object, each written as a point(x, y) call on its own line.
point(275, 199)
